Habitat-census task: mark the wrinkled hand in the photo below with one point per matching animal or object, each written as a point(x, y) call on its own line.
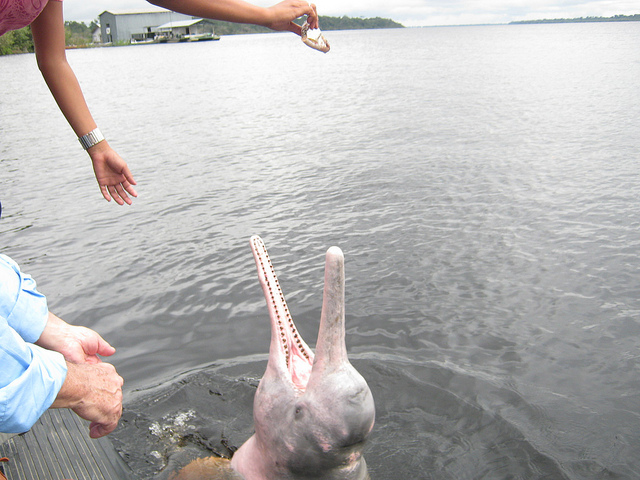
point(93, 392)
point(113, 174)
point(79, 345)
point(284, 13)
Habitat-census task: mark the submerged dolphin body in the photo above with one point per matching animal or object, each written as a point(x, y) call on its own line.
point(312, 413)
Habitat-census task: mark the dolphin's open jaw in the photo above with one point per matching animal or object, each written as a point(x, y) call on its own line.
point(311, 413)
point(289, 353)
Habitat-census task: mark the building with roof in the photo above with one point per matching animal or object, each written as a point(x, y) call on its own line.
point(96, 35)
point(123, 26)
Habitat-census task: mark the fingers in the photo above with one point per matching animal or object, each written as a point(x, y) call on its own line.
point(119, 194)
point(128, 186)
point(114, 194)
point(113, 175)
point(105, 402)
point(129, 176)
point(94, 346)
point(129, 182)
point(284, 13)
point(105, 192)
point(104, 348)
point(97, 430)
point(312, 18)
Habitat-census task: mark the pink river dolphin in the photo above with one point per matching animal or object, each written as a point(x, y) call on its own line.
point(312, 413)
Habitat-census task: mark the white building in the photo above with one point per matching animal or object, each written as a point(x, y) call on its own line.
point(122, 26)
point(96, 35)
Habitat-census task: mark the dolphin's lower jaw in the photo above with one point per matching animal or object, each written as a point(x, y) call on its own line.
point(311, 415)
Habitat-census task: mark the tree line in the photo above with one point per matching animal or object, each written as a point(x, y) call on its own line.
point(326, 23)
point(615, 18)
point(21, 41)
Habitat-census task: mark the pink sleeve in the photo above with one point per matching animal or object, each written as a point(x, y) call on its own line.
point(15, 14)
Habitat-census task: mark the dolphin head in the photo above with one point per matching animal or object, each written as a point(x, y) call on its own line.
point(312, 413)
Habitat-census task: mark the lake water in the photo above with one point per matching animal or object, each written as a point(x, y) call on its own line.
point(483, 183)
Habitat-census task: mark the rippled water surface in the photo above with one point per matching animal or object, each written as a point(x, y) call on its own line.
point(483, 183)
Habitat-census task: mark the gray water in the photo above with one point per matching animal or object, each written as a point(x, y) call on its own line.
point(482, 182)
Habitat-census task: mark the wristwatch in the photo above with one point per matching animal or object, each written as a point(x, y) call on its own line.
point(92, 138)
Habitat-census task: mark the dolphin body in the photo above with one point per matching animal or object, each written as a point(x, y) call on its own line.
point(312, 413)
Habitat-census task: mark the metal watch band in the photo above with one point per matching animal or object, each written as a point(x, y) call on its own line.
point(90, 139)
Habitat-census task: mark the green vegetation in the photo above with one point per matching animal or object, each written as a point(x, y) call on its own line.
point(78, 34)
point(349, 23)
point(20, 41)
point(228, 28)
point(16, 41)
point(616, 18)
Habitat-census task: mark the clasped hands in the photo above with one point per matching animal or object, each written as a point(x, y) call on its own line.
point(92, 388)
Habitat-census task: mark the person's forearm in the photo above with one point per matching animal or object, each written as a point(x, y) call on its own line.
point(236, 11)
point(112, 173)
point(49, 41)
point(66, 90)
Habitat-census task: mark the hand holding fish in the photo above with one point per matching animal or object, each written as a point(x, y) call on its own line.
point(284, 13)
point(315, 39)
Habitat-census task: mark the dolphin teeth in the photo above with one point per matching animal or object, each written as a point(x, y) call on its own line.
point(292, 343)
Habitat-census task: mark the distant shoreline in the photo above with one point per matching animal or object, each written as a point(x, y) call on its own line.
point(615, 18)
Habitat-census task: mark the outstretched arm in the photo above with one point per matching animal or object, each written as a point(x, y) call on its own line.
point(277, 17)
point(113, 174)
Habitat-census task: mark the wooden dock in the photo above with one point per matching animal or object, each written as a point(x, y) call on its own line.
point(58, 447)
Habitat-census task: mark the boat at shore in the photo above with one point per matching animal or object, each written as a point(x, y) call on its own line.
point(200, 37)
point(192, 30)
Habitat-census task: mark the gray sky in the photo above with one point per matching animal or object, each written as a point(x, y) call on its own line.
point(412, 12)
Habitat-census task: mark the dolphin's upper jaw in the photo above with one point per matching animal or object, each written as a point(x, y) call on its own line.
point(289, 355)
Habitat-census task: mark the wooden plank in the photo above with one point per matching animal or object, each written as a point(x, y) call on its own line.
point(59, 447)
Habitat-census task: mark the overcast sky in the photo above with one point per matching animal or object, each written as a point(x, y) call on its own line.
point(411, 13)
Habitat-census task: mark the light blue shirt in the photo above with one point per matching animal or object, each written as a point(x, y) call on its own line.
point(30, 376)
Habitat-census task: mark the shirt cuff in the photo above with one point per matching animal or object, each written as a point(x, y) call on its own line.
point(30, 311)
point(27, 311)
point(24, 400)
